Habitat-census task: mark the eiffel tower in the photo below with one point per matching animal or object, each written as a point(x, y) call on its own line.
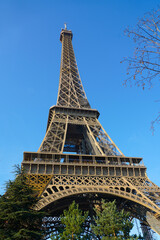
point(77, 160)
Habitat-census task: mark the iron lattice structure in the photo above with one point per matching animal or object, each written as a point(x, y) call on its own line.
point(77, 159)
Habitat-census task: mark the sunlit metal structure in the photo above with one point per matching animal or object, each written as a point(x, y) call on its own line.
point(77, 159)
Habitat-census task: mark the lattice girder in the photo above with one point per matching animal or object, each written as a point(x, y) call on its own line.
point(55, 136)
point(94, 134)
point(63, 186)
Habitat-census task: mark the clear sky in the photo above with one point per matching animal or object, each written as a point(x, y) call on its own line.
point(30, 53)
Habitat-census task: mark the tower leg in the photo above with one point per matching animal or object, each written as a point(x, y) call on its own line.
point(147, 232)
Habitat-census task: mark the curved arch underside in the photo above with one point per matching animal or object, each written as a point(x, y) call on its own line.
point(131, 191)
point(63, 186)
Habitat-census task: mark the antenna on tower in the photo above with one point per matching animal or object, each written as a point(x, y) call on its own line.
point(65, 25)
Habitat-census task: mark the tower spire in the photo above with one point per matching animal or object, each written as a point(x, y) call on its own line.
point(71, 92)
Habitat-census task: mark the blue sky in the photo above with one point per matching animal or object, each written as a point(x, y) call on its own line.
point(30, 53)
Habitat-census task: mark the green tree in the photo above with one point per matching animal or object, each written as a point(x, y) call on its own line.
point(112, 224)
point(18, 219)
point(73, 220)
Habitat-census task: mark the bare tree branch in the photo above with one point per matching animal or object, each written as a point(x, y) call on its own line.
point(144, 67)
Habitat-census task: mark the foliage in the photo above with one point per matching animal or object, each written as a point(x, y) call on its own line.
point(144, 67)
point(18, 220)
point(73, 220)
point(112, 224)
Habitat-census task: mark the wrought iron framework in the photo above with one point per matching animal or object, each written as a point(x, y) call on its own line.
point(78, 160)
